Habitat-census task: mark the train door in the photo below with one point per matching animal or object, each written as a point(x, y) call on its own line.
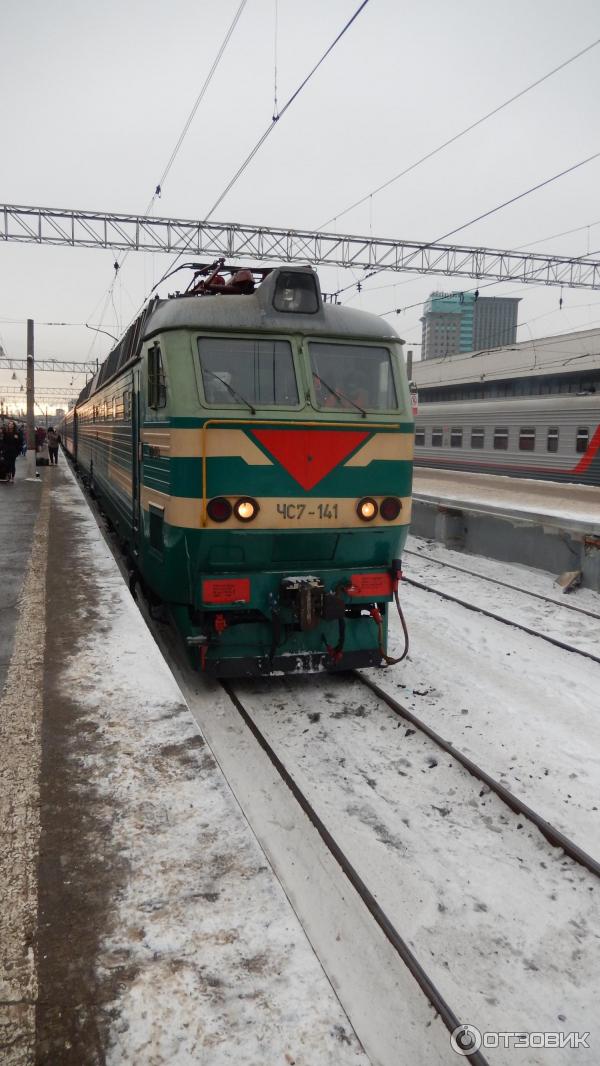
point(75, 420)
point(136, 457)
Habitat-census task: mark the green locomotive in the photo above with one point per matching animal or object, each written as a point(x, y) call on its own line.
point(252, 444)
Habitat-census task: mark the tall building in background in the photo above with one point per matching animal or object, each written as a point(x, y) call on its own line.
point(466, 322)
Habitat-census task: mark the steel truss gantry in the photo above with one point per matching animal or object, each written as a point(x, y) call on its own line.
point(99, 229)
point(65, 366)
point(14, 394)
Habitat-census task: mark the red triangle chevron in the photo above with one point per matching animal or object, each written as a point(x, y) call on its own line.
point(309, 454)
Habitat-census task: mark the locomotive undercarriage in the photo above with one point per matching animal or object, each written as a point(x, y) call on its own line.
point(304, 628)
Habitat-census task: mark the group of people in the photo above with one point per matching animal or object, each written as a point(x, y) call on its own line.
point(12, 444)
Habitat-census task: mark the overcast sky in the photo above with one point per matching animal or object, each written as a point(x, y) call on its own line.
point(95, 96)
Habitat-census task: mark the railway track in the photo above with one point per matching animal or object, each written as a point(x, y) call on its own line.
point(369, 895)
point(424, 981)
point(500, 618)
point(505, 584)
point(553, 835)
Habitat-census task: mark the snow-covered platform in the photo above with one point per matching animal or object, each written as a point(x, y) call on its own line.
point(552, 526)
point(140, 921)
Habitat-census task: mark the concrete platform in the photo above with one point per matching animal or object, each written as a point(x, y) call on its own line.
point(547, 525)
point(140, 922)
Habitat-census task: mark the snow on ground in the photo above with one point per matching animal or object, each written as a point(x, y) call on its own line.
point(526, 711)
point(577, 505)
point(200, 955)
point(524, 577)
point(390, 1014)
point(555, 619)
point(506, 927)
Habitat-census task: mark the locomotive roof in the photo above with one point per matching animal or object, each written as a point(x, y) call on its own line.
point(245, 313)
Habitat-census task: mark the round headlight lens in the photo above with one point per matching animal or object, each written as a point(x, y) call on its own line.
point(245, 509)
point(219, 509)
point(390, 508)
point(366, 509)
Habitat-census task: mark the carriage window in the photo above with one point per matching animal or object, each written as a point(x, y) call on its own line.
point(157, 389)
point(527, 439)
point(350, 376)
point(477, 437)
point(437, 437)
point(240, 371)
point(582, 440)
point(552, 440)
point(456, 435)
point(419, 436)
point(126, 405)
point(501, 438)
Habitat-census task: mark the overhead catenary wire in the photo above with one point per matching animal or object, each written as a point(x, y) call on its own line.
point(265, 135)
point(198, 101)
point(275, 43)
point(462, 133)
point(513, 200)
point(478, 218)
point(163, 177)
point(161, 181)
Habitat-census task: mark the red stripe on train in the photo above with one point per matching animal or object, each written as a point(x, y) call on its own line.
point(592, 451)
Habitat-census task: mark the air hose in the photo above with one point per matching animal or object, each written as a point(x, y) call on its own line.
point(376, 616)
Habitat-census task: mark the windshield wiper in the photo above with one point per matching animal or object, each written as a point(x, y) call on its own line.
point(230, 389)
point(341, 396)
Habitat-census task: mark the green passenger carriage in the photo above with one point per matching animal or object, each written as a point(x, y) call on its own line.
point(252, 445)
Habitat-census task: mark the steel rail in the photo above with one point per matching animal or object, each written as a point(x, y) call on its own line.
point(425, 983)
point(126, 232)
point(499, 618)
point(504, 584)
point(550, 832)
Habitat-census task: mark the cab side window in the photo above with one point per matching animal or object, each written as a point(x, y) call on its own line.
point(157, 389)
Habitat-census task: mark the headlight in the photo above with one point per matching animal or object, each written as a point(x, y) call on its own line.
point(219, 509)
point(245, 509)
point(366, 509)
point(390, 508)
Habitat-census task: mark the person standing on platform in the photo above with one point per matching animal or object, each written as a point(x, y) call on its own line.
point(53, 439)
point(4, 461)
point(12, 447)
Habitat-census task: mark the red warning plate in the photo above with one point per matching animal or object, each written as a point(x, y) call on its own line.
point(372, 585)
point(226, 590)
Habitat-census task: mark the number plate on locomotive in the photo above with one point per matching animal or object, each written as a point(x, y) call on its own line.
point(293, 512)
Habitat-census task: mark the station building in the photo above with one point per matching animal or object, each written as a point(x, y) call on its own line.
point(565, 363)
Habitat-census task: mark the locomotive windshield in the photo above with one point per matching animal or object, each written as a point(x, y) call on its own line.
point(247, 371)
point(346, 376)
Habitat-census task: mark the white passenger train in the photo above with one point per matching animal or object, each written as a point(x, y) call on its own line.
point(554, 438)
